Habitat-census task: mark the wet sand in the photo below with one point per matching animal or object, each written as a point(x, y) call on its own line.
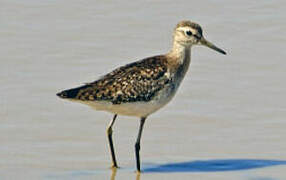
point(227, 120)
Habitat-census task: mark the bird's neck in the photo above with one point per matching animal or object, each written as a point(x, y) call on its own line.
point(180, 53)
point(179, 59)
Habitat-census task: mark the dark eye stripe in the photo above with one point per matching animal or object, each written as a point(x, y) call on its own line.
point(189, 33)
point(200, 31)
point(197, 36)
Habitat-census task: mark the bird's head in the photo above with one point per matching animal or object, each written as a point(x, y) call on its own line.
point(188, 33)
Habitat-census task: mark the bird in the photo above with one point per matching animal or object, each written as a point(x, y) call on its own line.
point(142, 87)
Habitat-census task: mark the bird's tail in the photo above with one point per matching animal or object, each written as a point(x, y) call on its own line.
point(70, 93)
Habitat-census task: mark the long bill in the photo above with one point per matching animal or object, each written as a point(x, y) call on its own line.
point(204, 42)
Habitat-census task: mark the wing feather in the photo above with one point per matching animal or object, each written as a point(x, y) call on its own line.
point(138, 81)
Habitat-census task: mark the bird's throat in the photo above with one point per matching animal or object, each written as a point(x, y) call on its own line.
point(180, 53)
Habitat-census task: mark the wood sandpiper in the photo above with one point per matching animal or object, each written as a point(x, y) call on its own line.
point(142, 87)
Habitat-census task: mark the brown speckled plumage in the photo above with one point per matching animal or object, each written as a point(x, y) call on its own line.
point(143, 87)
point(138, 81)
point(190, 24)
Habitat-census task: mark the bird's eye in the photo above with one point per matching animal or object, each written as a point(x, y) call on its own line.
point(189, 33)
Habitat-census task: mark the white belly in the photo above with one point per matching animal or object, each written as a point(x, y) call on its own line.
point(138, 109)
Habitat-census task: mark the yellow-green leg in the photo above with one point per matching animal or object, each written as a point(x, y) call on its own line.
point(109, 135)
point(137, 144)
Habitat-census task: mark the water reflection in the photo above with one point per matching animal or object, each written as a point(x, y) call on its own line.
point(114, 171)
point(213, 165)
point(216, 165)
point(138, 176)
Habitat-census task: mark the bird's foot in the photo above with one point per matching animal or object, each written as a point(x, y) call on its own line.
point(114, 167)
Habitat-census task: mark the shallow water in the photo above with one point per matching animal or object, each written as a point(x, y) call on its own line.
point(226, 122)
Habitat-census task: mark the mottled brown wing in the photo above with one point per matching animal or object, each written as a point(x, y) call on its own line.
point(138, 81)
